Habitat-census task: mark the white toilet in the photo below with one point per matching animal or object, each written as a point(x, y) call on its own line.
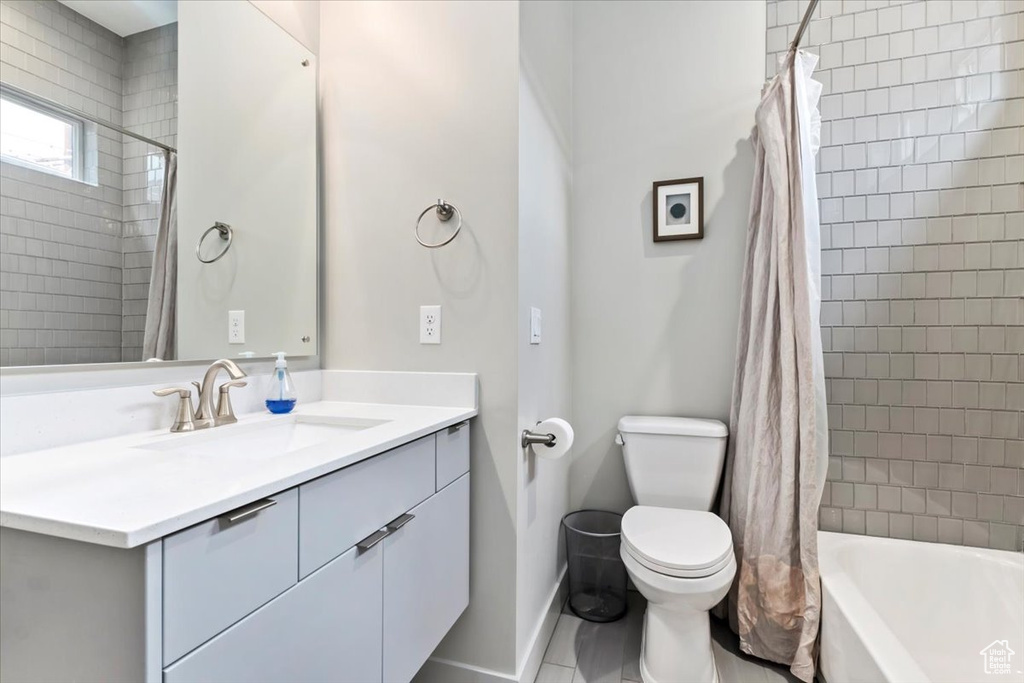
point(678, 554)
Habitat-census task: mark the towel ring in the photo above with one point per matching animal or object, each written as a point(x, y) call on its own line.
point(444, 211)
point(226, 233)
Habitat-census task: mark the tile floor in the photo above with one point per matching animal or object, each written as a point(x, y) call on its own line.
point(584, 652)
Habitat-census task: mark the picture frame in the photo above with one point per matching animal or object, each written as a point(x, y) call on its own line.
point(678, 209)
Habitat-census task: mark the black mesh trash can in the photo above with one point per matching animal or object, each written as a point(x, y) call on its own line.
point(597, 577)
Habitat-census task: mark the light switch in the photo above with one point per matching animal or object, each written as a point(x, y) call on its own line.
point(535, 326)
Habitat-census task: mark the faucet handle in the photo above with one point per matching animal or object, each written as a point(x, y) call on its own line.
point(180, 391)
point(225, 414)
point(184, 418)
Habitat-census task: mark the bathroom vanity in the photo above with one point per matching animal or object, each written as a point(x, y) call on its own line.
point(328, 545)
point(331, 544)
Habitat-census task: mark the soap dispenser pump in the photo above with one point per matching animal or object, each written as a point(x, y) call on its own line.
point(281, 397)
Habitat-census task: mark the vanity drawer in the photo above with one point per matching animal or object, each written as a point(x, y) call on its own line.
point(452, 454)
point(217, 572)
point(341, 508)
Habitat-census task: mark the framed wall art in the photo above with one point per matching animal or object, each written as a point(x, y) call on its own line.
point(678, 209)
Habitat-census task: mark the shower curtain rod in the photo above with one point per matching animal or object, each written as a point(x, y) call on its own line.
point(77, 113)
point(803, 25)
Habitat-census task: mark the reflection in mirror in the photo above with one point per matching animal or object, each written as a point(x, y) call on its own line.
point(98, 256)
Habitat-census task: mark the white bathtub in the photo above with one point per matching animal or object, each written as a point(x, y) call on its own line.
point(898, 611)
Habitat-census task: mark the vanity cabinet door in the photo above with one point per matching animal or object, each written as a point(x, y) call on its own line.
point(426, 579)
point(327, 628)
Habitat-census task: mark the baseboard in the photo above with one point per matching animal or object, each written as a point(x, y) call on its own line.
point(528, 668)
point(438, 670)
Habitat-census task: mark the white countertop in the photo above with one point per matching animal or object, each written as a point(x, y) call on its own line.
point(117, 492)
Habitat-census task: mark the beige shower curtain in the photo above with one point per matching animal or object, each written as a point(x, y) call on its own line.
point(778, 424)
point(158, 341)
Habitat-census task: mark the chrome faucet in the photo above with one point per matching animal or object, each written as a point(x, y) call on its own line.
point(206, 416)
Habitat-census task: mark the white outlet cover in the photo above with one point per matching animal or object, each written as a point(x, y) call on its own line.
point(535, 320)
point(430, 324)
point(236, 327)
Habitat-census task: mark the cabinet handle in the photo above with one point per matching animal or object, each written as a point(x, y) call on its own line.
point(397, 523)
point(455, 428)
point(372, 540)
point(247, 511)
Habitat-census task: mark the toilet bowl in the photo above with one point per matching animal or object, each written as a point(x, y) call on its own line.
point(678, 554)
point(682, 562)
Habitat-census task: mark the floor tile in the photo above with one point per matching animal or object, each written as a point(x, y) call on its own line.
point(599, 652)
point(553, 673)
point(585, 652)
point(562, 648)
point(743, 668)
point(732, 668)
point(634, 636)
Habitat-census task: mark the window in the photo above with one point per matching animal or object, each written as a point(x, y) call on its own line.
point(36, 137)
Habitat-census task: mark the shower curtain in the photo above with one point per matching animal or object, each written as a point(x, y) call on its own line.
point(778, 448)
point(158, 341)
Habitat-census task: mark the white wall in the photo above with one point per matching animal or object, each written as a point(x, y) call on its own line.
point(545, 187)
point(300, 18)
point(661, 90)
point(420, 101)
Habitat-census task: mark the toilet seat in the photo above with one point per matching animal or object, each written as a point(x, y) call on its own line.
point(680, 543)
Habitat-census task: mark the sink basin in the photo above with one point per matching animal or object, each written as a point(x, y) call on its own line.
point(274, 437)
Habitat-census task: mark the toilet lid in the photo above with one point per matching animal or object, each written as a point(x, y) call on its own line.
point(686, 543)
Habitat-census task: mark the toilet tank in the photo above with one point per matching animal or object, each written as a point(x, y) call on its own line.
point(673, 462)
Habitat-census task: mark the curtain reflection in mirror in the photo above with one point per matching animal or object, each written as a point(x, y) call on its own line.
point(158, 343)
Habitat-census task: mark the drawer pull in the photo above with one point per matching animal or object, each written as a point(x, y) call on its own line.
point(457, 427)
point(397, 523)
point(247, 511)
point(372, 540)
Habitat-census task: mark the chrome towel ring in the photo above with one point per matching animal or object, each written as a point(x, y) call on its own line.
point(444, 212)
point(226, 233)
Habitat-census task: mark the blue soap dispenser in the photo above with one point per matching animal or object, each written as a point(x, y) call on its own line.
point(281, 397)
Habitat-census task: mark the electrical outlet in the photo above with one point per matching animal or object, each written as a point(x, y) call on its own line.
point(236, 327)
point(430, 324)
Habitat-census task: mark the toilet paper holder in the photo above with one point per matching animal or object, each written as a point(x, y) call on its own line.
point(530, 438)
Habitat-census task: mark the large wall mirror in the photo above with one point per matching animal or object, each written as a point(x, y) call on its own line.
point(157, 183)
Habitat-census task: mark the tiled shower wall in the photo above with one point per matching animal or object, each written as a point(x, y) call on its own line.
point(76, 257)
point(920, 184)
point(151, 109)
point(60, 239)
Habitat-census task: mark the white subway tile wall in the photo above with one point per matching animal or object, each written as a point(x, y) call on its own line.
point(75, 257)
point(151, 109)
point(921, 190)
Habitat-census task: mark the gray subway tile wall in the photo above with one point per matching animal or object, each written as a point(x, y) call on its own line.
point(76, 256)
point(151, 109)
point(60, 239)
point(921, 192)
